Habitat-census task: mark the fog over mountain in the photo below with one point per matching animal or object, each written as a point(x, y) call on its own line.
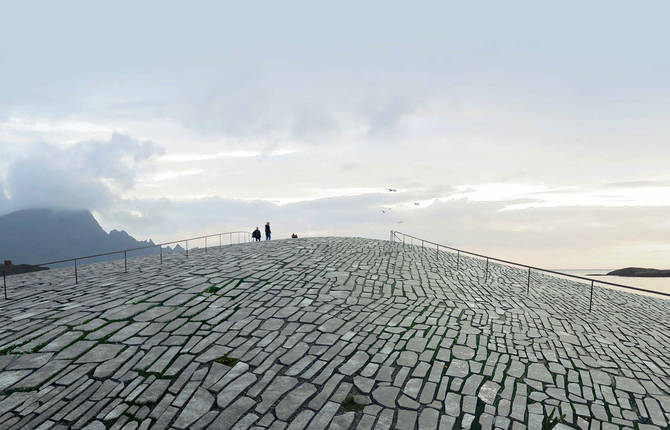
point(34, 236)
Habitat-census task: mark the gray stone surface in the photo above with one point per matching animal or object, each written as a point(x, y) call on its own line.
point(199, 405)
point(326, 333)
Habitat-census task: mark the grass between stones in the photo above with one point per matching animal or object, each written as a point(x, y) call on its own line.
point(37, 348)
point(19, 390)
point(349, 404)
point(158, 375)
point(549, 422)
point(227, 361)
point(9, 350)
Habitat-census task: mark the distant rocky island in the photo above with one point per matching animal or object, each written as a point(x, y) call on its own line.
point(641, 272)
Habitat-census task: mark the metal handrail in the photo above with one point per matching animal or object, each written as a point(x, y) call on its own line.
point(126, 251)
point(394, 235)
point(142, 247)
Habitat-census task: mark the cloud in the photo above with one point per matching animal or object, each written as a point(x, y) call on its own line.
point(187, 157)
point(162, 176)
point(560, 237)
point(190, 157)
point(85, 175)
point(3, 197)
point(384, 115)
point(34, 182)
point(638, 184)
point(97, 175)
point(313, 124)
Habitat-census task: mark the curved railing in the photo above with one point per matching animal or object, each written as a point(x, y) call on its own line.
point(240, 236)
point(402, 236)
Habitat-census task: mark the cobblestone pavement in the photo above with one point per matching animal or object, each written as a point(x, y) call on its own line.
point(324, 333)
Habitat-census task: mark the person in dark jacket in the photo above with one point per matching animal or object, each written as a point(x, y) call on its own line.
point(267, 230)
point(256, 235)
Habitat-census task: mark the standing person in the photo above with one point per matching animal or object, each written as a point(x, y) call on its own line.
point(256, 235)
point(267, 230)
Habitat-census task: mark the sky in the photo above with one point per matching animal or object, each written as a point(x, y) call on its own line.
point(524, 130)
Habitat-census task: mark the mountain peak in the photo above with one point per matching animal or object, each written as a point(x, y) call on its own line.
point(41, 234)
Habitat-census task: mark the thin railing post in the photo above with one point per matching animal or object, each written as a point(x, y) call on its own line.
point(486, 276)
point(76, 275)
point(231, 237)
point(125, 261)
point(421, 244)
point(205, 244)
point(161, 252)
point(4, 281)
point(437, 252)
point(219, 240)
point(591, 298)
point(458, 260)
point(187, 249)
point(528, 291)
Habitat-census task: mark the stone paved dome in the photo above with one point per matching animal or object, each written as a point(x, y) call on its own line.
point(326, 333)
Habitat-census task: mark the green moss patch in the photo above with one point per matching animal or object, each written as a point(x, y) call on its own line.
point(549, 422)
point(349, 404)
point(227, 361)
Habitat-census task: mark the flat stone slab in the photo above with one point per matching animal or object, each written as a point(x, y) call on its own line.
point(326, 333)
point(101, 352)
point(29, 361)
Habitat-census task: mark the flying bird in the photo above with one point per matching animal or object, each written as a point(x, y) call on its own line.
point(416, 204)
point(385, 210)
point(393, 190)
point(400, 222)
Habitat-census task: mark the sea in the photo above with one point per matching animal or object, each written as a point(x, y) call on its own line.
point(654, 284)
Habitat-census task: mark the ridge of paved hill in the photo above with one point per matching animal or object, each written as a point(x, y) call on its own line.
point(324, 333)
point(34, 236)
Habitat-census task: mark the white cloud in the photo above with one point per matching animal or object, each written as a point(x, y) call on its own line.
point(516, 196)
point(162, 176)
point(496, 192)
point(189, 157)
point(39, 125)
point(86, 175)
point(186, 157)
point(610, 197)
